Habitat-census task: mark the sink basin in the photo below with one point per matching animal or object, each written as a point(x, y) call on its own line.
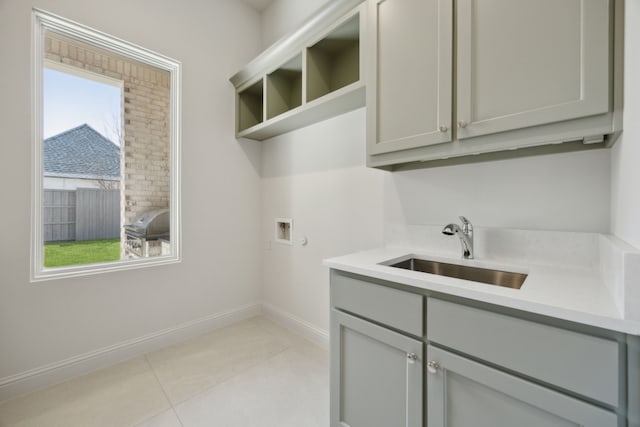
point(506, 279)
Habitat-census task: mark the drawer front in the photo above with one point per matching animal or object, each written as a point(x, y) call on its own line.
point(577, 362)
point(398, 309)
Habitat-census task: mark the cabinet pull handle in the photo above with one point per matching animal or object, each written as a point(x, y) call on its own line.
point(462, 124)
point(412, 357)
point(433, 367)
point(443, 128)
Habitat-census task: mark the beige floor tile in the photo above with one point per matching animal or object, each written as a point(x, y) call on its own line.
point(122, 395)
point(165, 419)
point(290, 389)
point(192, 367)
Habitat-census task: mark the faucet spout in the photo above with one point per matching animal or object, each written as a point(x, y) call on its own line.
point(464, 233)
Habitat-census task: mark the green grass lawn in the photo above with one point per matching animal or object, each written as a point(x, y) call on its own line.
point(59, 254)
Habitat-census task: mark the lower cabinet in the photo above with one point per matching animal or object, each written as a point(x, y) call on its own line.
point(483, 366)
point(376, 375)
point(464, 393)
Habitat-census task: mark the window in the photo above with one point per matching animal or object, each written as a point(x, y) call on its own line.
point(106, 124)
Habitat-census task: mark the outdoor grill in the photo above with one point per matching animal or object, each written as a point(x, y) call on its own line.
point(146, 234)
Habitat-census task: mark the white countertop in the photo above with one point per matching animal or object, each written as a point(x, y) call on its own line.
point(572, 293)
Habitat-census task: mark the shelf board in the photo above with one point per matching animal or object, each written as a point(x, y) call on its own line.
point(333, 104)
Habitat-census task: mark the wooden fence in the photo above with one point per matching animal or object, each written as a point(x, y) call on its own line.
point(82, 214)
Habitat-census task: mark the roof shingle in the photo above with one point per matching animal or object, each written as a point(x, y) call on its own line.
point(81, 152)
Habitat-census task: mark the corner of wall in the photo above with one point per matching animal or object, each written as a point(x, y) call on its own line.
point(625, 175)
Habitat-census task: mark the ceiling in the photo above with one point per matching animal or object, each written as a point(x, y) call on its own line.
point(259, 5)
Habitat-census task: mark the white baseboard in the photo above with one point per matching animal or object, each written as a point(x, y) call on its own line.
point(297, 325)
point(54, 373)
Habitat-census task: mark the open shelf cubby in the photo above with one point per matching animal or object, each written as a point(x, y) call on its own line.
point(284, 88)
point(309, 76)
point(251, 106)
point(334, 62)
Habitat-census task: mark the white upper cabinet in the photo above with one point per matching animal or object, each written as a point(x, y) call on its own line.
point(410, 73)
point(524, 63)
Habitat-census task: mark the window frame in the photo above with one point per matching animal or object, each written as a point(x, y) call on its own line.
point(43, 21)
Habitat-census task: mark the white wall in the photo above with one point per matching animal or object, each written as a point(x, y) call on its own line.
point(284, 16)
point(568, 191)
point(317, 176)
point(46, 322)
point(625, 198)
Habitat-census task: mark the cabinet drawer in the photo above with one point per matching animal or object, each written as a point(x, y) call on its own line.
point(577, 362)
point(398, 309)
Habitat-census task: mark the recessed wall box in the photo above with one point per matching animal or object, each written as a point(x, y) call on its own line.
point(283, 229)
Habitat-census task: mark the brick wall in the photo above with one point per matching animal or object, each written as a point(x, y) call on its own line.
point(145, 145)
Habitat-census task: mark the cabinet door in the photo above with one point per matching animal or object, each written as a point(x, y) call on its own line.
point(523, 63)
point(376, 375)
point(409, 75)
point(464, 393)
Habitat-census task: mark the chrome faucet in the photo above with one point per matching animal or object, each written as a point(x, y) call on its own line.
point(465, 234)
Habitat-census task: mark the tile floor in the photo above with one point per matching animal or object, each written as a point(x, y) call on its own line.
point(252, 373)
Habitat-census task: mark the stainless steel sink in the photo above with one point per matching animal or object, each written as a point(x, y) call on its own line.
point(507, 279)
